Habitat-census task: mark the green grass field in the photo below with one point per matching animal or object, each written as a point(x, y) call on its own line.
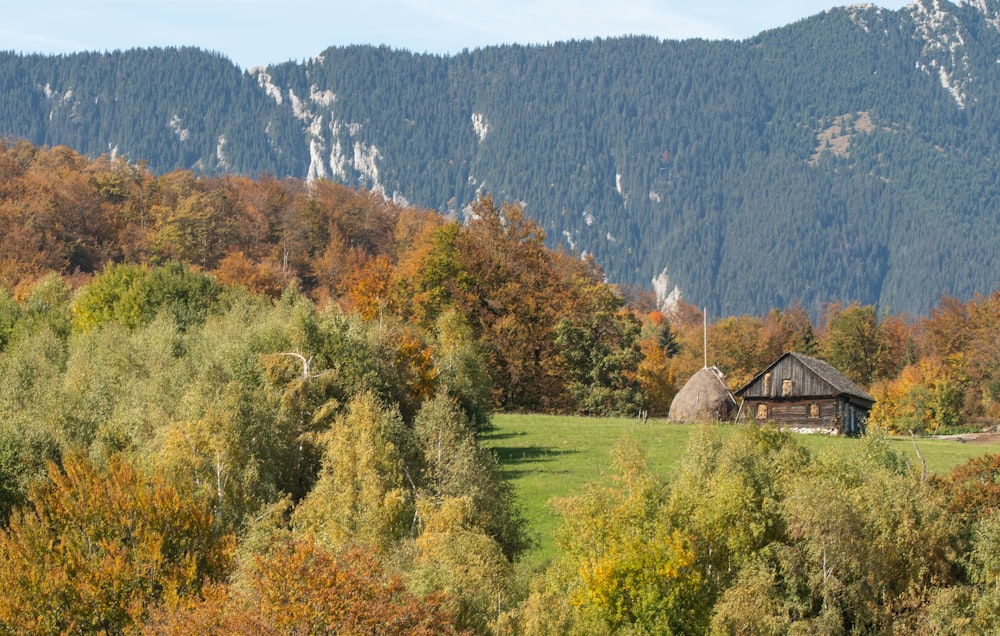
point(549, 456)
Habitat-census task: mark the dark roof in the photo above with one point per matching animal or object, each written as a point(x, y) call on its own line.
point(836, 379)
point(822, 370)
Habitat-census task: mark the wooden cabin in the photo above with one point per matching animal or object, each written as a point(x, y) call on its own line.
point(807, 395)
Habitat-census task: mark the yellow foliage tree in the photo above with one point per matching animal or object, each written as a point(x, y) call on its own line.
point(361, 495)
point(626, 568)
point(925, 397)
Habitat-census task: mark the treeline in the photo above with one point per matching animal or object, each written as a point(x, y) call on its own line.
point(386, 264)
point(555, 337)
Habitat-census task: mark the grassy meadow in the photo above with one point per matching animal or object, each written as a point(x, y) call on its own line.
point(548, 456)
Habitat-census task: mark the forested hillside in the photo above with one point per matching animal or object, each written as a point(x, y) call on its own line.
point(256, 406)
point(847, 157)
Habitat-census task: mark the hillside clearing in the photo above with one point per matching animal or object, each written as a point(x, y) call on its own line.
point(548, 456)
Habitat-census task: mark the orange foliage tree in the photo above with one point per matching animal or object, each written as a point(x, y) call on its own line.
point(298, 587)
point(97, 548)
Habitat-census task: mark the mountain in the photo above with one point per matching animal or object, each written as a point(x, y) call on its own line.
point(846, 157)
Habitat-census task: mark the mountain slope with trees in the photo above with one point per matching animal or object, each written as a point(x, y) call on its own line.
point(846, 157)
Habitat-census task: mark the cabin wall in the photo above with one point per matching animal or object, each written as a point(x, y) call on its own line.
point(808, 413)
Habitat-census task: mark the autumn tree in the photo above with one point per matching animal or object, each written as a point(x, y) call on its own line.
point(431, 275)
point(263, 277)
point(367, 288)
point(625, 567)
point(863, 346)
point(300, 587)
point(734, 346)
point(658, 344)
point(926, 396)
point(198, 230)
point(511, 301)
point(363, 494)
point(97, 548)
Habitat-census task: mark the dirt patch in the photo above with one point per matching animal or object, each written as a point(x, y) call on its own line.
point(837, 137)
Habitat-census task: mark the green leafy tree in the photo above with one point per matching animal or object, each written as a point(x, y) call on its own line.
point(865, 549)
point(10, 313)
point(601, 352)
point(728, 497)
point(470, 526)
point(48, 306)
point(455, 555)
point(25, 454)
point(363, 494)
point(461, 368)
point(861, 345)
point(455, 466)
point(132, 295)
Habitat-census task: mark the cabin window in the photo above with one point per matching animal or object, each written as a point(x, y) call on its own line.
point(814, 410)
point(786, 387)
point(767, 384)
point(761, 412)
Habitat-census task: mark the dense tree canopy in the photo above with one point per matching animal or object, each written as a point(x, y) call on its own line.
point(186, 444)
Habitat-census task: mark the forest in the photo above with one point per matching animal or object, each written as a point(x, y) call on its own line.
point(254, 406)
point(846, 157)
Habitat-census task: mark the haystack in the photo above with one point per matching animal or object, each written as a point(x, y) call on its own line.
point(704, 397)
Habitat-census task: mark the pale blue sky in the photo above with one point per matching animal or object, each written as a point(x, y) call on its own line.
point(259, 32)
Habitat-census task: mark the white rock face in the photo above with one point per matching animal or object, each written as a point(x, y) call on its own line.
point(178, 129)
point(322, 98)
point(264, 81)
point(480, 125)
point(220, 153)
point(569, 240)
point(317, 169)
point(366, 162)
point(667, 299)
point(944, 54)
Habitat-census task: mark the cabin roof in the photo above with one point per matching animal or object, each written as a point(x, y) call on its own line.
point(823, 370)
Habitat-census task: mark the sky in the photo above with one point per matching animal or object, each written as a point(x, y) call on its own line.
point(261, 32)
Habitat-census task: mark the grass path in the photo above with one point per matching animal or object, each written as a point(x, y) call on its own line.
point(548, 456)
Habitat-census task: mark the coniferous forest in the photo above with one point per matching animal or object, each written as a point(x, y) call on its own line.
point(845, 158)
point(256, 406)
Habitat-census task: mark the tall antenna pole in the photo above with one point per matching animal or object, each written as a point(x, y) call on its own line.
point(705, 332)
